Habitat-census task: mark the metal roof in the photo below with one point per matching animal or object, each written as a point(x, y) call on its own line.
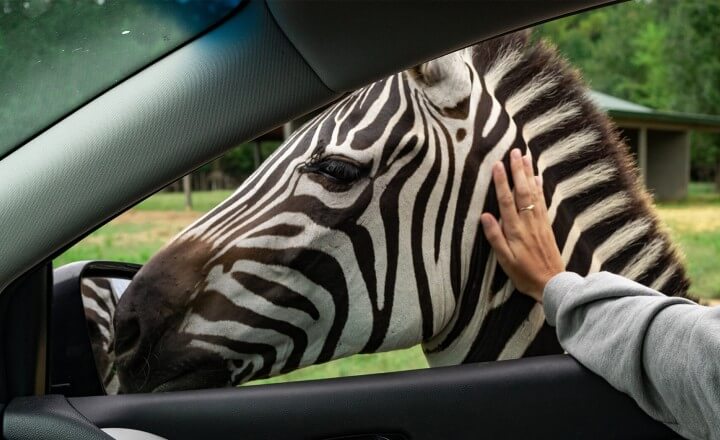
point(622, 110)
point(609, 103)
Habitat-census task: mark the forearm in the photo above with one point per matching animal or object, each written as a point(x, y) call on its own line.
point(664, 352)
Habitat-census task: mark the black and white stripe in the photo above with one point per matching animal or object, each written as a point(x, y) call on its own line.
point(99, 302)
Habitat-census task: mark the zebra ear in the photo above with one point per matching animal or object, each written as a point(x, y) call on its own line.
point(445, 80)
point(431, 73)
point(447, 68)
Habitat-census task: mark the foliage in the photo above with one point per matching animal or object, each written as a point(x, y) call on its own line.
point(240, 161)
point(659, 53)
point(705, 156)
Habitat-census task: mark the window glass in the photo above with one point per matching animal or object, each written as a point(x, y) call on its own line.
point(590, 41)
point(57, 54)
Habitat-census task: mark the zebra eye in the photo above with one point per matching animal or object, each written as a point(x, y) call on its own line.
point(336, 169)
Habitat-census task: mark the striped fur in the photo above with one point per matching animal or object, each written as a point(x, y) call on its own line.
point(99, 302)
point(297, 268)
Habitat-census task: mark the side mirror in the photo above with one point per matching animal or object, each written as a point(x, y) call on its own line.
point(81, 332)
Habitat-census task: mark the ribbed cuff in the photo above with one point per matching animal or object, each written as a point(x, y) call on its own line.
point(555, 290)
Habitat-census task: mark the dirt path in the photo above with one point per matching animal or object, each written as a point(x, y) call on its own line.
point(141, 228)
point(692, 219)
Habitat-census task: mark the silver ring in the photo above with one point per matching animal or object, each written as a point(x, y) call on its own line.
point(527, 208)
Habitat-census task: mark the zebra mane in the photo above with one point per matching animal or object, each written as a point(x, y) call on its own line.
point(547, 85)
point(602, 216)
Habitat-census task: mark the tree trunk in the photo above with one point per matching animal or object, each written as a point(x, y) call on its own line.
point(216, 176)
point(187, 188)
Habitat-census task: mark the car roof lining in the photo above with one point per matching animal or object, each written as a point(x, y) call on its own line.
point(335, 41)
point(237, 81)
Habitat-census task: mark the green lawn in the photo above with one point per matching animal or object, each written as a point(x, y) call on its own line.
point(202, 201)
point(695, 225)
point(136, 235)
point(702, 253)
point(139, 233)
point(115, 242)
point(400, 360)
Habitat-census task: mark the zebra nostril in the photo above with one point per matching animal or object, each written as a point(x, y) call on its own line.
point(127, 335)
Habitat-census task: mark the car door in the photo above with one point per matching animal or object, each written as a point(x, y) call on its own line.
point(263, 64)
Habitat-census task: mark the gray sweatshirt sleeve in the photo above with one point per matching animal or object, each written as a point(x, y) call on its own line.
point(662, 351)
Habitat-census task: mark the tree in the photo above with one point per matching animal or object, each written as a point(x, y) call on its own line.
point(659, 53)
point(694, 39)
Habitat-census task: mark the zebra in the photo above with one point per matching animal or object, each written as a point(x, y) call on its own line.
point(99, 300)
point(361, 233)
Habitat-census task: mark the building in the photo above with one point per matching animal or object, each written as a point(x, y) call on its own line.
point(660, 141)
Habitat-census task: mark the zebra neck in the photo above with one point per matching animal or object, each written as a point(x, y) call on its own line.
point(490, 332)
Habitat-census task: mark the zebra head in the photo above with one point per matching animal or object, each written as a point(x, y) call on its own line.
point(361, 232)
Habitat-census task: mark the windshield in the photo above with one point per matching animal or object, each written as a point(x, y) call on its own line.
point(55, 55)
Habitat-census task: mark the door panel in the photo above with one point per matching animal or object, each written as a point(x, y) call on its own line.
point(544, 397)
point(47, 418)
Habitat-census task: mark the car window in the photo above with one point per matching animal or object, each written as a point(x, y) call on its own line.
point(585, 40)
point(57, 54)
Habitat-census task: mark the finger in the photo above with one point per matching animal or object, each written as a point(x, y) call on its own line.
point(532, 181)
point(529, 174)
point(523, 196)
point(540, 204)
point(494, 234)
point(506, 200)
point(536, 188)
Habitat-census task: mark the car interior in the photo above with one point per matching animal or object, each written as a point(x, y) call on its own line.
point(264, 63)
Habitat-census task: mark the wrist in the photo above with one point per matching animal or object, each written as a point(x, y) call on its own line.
point(538, 294)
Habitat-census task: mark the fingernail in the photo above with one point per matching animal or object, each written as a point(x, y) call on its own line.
point(515, 153)
point(485, 221)
point(539, 180)
point(527, 160)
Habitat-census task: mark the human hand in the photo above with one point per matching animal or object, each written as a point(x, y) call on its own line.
point(524, 243)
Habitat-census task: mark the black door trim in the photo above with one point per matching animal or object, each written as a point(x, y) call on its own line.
point(544, 397)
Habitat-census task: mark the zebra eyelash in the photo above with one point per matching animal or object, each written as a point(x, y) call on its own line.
point(337, 169)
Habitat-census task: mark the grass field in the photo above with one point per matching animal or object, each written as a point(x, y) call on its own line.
point(134, 236)
point(695, 225)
